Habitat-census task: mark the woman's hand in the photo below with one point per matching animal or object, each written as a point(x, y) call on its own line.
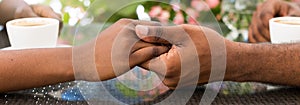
point(115, 51)
point(36, 10)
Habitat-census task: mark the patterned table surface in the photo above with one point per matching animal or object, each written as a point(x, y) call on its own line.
point(283, 96)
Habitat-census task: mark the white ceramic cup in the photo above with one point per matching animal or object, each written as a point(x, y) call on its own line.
point(285, 30)
point(28, 33)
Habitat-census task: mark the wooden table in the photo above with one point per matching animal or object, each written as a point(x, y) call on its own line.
point(283, 96)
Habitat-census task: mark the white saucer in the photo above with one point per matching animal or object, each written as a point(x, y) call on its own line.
point(58, 46)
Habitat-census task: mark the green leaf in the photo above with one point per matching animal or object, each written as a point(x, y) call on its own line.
point(66, 18)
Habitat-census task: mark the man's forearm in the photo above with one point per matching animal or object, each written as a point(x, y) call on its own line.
point(34, 68)
point(278, 64)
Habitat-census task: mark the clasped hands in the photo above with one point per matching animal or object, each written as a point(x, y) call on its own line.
point(162, 49)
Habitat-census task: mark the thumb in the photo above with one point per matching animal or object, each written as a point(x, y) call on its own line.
point(144, 54)
point(25, 11)
point(161, 34)
point(45, 11)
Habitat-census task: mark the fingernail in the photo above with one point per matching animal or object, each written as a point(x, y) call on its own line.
point(142, 30)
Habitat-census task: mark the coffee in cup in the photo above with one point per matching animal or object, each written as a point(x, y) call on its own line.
point(33, 33)
point(289, 22)
point(285, 30)
point(30, 23)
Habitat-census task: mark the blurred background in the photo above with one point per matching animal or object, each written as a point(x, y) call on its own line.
point(75, 11)
point(234, 16)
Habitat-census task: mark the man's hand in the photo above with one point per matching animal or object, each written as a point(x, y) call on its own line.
point(20, 9)
point(191, 46)
point(259, 28)
point(37, 10)
point(115, 51)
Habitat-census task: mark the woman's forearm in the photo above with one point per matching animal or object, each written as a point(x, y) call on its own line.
point(35, 68)
point(270, 63)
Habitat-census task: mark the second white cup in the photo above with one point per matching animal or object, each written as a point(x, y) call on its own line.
point(285, 30)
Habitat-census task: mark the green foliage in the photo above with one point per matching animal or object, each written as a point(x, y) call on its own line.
point(126, 91)
point(216, 10)
point(47, 1)
point(72, 3)
point(66, 18)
